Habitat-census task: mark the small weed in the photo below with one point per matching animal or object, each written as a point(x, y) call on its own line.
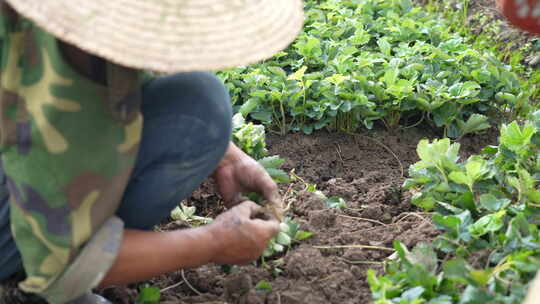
point(148, 295)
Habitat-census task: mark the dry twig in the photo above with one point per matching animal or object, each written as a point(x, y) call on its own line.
point(362, 219)
point(171, 287)
point(189, 285)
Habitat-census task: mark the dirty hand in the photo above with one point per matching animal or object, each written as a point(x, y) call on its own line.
point(240, 235)
point(237, 173)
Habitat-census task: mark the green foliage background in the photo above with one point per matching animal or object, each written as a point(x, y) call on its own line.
point(358, 62)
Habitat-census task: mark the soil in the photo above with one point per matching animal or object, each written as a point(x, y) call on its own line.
point(360, 169)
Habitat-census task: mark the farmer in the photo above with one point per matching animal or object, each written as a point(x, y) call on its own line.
point(94, 154)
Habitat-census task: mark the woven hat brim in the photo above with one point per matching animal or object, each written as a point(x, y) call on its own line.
point(171, 35)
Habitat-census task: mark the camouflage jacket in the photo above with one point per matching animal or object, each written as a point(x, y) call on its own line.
point(68, 146)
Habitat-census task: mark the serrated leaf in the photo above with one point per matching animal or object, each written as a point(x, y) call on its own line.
point(492, 203)
point(460, 178)
point(278, 247)
point(273, 161)
point(476, 168)
point(264, 286)
point(487, 223)
point(283, 239)
point(475, 123)
point(515, 137)
point(298, 75)
point(279, 176)
point(385, 46)
point(278, 71)
point(249, 106)
point(390, 76)
point(456, 270)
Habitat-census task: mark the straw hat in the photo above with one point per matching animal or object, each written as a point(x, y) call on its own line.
point(171, 35)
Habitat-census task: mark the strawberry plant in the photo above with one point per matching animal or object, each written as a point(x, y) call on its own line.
point(357, 62)
point(249, 137)
point(487, 208)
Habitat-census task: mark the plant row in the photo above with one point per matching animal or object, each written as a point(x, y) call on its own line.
point(360, 62)
point(487, 208)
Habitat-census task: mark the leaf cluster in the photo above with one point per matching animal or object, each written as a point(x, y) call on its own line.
point(357, 62)
point(487, 208)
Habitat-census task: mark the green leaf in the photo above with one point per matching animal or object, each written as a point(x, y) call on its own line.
point(391, 75)
point(385, 46)
point(278, 175)
point(534, 195)
point(263, 285)
point(488, 223)
point(460, 178)
point(298, 75)
point(476, 168)
point(450, 223)
point(423, 254)
point(302, 235)
point(149, 295)
point(336, 202)
point(283, 239)
point(516, 138)
point(492, 203)
point(278, 71)
point(481, 277)
point(456, 270)
point(475, 123)
point(278, 247)
point(271, 161)
point(413, 293)
point(251, 104)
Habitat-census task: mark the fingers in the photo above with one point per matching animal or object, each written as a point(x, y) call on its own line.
point(270, 191)
point(272, 226)
point(249, 208)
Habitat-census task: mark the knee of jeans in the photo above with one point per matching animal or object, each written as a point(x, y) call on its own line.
point(200, 95)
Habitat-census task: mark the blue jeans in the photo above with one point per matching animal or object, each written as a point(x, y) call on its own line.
point(187, 128)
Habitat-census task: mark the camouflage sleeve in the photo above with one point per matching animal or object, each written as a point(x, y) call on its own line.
point(68, 146)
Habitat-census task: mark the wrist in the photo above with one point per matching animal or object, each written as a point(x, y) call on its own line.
point(209, 238)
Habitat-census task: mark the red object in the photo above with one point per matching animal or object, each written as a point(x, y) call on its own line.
point(524, 14)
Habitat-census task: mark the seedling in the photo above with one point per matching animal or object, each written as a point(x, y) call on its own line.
point(289, 234)
point(148, 295)
point(187, 214)
point(263, 286)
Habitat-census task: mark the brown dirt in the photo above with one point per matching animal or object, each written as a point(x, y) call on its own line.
point(358, 169)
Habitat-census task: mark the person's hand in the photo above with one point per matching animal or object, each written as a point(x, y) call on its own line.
point(241, 234)
point(237, 174)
